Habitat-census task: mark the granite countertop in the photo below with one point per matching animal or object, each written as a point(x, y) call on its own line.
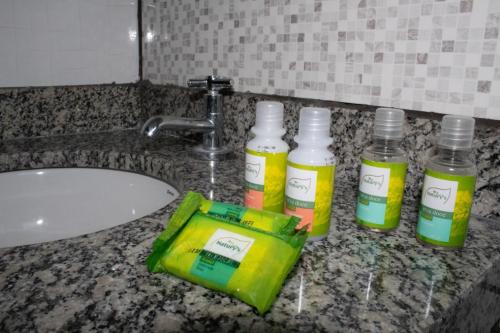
point(354, 280)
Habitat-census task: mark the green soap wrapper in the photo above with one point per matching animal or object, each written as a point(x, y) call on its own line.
point(242, 252)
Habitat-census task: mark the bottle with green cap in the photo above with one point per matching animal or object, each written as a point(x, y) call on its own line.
point(448, 190)
point(383, 173)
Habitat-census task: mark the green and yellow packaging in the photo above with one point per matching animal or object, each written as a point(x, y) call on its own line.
point(380, 196)
point(445, 208)
point(309, 192)
point(265, 175)
point(240, 251)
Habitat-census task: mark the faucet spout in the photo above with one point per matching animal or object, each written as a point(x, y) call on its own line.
point(153, 124)
point(212, 147)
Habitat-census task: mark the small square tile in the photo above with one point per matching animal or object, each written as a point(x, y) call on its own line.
point(487, 60)
point(462, 34)
point(489, 46)
point(448, 46)
point(412, 34)
point(483, 86)
point(460, 46)
point(466, 6)
point(436, 46)
point(422, 58)
point(426, 9)
point(491, 33)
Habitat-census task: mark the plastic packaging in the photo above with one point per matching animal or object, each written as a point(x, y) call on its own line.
point(210, 244)
point(383, 173)
point(265, 159)
point(449, 183)
point(311, 173)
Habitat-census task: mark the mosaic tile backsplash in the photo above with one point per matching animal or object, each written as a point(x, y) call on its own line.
point(430, 55)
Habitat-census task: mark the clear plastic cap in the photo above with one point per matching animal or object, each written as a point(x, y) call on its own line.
point(269, 118)
point(389, 123)
point(457, 132)
point(314, 126)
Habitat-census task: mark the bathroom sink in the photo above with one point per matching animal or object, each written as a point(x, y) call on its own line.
point(50, 204)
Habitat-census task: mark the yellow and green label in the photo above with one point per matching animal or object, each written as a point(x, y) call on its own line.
point(265, 180)
point(221, 256)
point(445, 208)
point(212, 244)
point(308, 195)
point(380, 195)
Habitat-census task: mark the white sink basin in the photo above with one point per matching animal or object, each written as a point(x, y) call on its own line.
point(50, 204)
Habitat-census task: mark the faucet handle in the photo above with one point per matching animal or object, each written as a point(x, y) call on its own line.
point(211, 83)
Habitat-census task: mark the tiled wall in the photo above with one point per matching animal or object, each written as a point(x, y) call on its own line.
point(68, 42)
point(429, 55)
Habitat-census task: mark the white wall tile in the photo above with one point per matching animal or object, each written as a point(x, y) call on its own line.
point(24, 11)
point(68, 42)
point(33, 68)
point(63, 14)
point(7, 56)
point(6, 13)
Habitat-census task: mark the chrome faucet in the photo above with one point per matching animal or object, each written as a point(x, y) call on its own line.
point(212, 127)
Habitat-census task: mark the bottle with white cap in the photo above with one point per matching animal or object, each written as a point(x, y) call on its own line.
point(448, 190)
point(310, 173)
point(383, 173)
point(265, 159)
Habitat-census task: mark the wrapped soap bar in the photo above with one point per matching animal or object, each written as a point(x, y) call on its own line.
point(229, 248)
point(256, 218)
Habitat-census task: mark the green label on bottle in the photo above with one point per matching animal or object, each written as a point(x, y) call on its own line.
point(309, 191)
point(445, 208)
point(380, 196)
point(265, 180)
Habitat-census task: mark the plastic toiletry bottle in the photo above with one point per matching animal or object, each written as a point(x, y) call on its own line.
point(311, 172)
point(383, 173)
point(265, 159)
point(448, 191)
